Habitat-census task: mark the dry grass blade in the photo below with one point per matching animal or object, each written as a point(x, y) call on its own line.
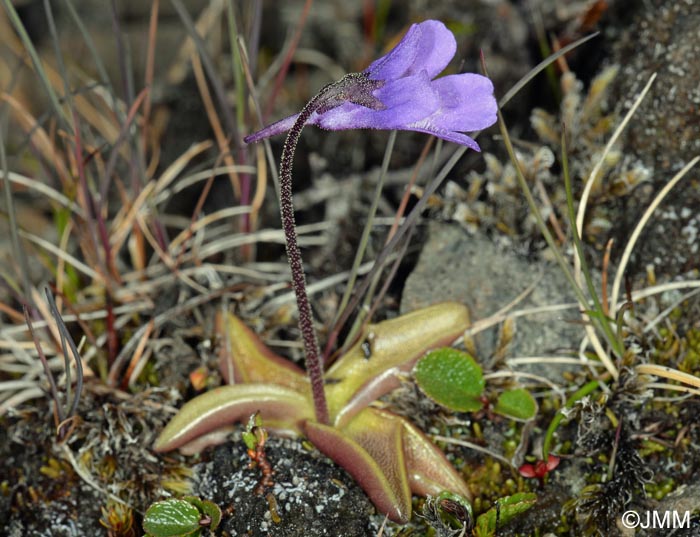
point(87, 478)
point(8, 332)
point(11, 312)
point(185, 182)
point(158, 321)
point(46, 191)
point(499, 317)
point(640, 226)
point(549, 360)
point(266, 235)
point(668, 373)
point(475, 447)
point(205, 221)
point(16, 400)
point(649, 326)
point(125, 219)
point(38, 137)
point(213, 117)
point(165, 257)
point(662, 288)
point(65, 256)
point(320, 285)
point(538, 378)
point(583, 202)
point(139, 358)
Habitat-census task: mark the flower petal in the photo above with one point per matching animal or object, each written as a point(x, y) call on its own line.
point(407, 100)
point(428, 46)
point(466, 103)
point(278, 127)
point(450, 136)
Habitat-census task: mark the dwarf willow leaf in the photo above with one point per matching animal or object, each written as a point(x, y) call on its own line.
point(518, 404)
point(451, 378)
point(172, 518)
point(207, 508)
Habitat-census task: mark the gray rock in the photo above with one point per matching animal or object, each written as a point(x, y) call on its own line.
point(455, 265)
point(665, 131)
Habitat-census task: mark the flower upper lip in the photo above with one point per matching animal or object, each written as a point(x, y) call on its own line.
point(412, 99)
point(428, 46)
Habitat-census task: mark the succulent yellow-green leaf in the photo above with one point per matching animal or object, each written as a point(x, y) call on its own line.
point(451, 378)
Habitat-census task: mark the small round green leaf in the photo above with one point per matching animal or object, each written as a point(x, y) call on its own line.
point(451, 378)
point(213, 512)
point(171, 518)
point(518, 404)
point(249, 439)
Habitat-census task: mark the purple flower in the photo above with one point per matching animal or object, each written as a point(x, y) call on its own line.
point(404, 95)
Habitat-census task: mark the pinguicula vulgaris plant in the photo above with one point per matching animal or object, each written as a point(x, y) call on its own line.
point(396, 91)
point(388, 456)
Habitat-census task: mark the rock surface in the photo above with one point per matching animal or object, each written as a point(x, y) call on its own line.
point(665, 131)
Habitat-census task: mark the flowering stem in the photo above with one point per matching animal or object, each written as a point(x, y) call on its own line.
point(308, 334)
point(354, 87)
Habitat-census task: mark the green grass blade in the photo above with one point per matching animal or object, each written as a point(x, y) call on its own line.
point(364, 240)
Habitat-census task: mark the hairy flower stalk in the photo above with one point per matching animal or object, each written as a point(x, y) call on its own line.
point(354, 87)
point(396, 92)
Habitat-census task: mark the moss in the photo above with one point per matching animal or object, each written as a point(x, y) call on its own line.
point(491, 480)
point(659, 490)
